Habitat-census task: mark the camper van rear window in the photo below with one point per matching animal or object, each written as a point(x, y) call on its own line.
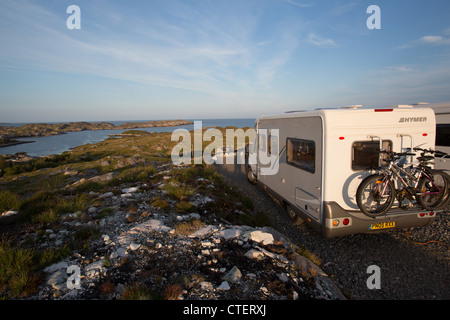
point(302, 154)
point(366, 154)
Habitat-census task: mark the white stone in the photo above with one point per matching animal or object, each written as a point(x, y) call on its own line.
point(56, 266)
point(150, 225)
point(260, 237)
point(126, 195)
point(130, 190)
point(57, 280)
point(134, 246)
point(195, 215)
point(228, 234)
point(255, 254)
point(9, 213)
point(202, 232)
point(94, 268)
point(207, 244)
point(106, 195)
point(206, 285)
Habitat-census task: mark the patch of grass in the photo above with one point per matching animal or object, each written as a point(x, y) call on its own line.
point(79, 202)
point(40, 202)
point(46, 207)
point(47, 216)
point(187, 228)
point(160, 203)
point(9, 168)
point(135, 174)
point(9, 201)
point(172, 292)
point(195, 172)
point(50, 256)
point(105, 213)
point(184, 206)
point(82, 239)
point(178, 192)
point(308, 254)
point(138, 292)
point(87, 233)
point(17, 266)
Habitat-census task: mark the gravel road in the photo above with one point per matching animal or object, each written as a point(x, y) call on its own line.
point(410, 269)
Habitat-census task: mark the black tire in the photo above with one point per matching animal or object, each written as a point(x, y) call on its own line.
point(369, 201)
point(250, 176)
point(425, 185)
point(296, 220)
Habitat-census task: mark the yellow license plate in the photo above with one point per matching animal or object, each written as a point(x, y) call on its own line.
point(382, 225)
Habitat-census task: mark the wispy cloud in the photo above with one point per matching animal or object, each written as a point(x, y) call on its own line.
point(320, 41)
point(190, 49)
point(435, 40)
point(297, 4)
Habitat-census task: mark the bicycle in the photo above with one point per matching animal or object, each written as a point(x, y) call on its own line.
point(430, 188)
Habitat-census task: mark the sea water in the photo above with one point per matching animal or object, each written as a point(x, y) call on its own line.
point(42, 146)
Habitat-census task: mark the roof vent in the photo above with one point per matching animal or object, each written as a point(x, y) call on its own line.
point(355, 106)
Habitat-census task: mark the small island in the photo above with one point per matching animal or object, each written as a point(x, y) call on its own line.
point(8, 134)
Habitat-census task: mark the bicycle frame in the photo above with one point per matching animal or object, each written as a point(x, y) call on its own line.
point(395, 170)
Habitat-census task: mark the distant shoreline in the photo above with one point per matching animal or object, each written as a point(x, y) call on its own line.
point(8, 134)
point(13, 143)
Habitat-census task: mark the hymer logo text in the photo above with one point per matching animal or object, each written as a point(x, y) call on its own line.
point(412, 119)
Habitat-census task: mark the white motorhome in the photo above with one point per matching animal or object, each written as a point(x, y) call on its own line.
point(324, 154)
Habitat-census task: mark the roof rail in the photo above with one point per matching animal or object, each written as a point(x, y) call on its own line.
point(293, 111)
point(355, 106)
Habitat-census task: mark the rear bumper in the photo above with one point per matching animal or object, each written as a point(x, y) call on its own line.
point(359, 223)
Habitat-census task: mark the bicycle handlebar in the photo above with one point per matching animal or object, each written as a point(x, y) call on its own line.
point(398, 154)
point(441, 153)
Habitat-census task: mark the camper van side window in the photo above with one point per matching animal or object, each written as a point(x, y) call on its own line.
point(366, 154)
point(443, 135)
point(302, 154)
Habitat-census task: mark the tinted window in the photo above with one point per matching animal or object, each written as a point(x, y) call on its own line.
point(302, 154)
point(366, 154)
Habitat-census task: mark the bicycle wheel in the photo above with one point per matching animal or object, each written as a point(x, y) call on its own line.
point(375, 195)
point(433, 190)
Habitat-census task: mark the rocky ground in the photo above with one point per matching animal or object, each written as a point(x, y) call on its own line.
point(172, 232)
point(147, 253)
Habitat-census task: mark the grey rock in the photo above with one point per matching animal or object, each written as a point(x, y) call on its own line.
point(233, 276)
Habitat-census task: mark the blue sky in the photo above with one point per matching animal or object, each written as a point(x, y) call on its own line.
point(198, 59)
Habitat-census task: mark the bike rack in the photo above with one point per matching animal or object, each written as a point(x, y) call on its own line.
point(412, 143)
point(381, 146)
